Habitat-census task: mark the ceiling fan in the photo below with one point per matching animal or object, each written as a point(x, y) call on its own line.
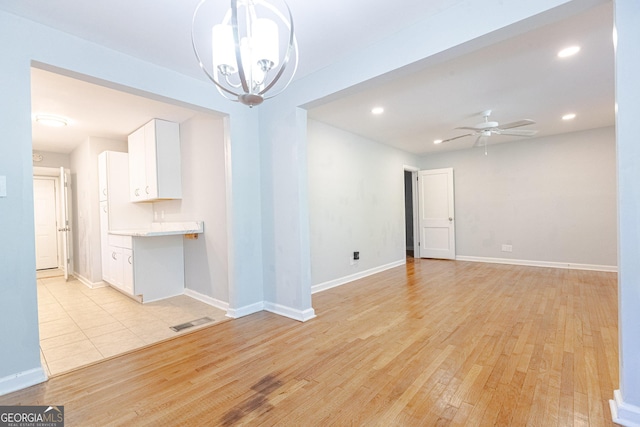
point(487, 128)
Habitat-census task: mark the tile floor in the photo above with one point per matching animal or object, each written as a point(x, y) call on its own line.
point(80, 325)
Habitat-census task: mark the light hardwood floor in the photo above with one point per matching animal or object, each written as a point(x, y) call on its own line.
point(432, 343)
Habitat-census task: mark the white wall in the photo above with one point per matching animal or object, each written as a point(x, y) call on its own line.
point(356, 202)
point(553, 198)
point(53, 160)
point(203, 199)
point(267, 159)
point(85, 208)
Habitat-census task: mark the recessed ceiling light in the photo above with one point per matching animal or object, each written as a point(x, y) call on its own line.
point(570, 116)
point(569, 51)
point(377, 110)
point(437, 141)
point(51, 120)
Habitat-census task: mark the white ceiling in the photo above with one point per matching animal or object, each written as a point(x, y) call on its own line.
point(93, 110)
point(518, 78)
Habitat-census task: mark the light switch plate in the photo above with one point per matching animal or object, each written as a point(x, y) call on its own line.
point(3, 186)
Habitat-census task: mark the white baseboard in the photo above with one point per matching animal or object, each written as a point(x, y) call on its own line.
point(292, 313)
point(623, 413)
point(350, 278)
point(245, 311)
point(207, 299)
point(22, 380)
point(89, 283)
point(567, 265)
point(300, 315)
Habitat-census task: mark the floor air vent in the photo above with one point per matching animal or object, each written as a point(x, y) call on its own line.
point(191, 324)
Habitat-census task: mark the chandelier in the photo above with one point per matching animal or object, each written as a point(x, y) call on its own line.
point(252, 54)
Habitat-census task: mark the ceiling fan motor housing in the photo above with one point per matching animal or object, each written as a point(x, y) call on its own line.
point(487, 125)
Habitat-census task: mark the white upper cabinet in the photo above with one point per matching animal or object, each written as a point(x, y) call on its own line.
point(154, 162)
point(102, 177)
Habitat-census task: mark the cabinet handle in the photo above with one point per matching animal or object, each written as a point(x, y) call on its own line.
point(147, 189)
point(137, 192)
point(104, 209)
point(130, 260)
point(114, 256)
point(104, 191)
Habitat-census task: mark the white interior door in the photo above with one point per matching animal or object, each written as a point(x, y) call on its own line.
point(436, 214)
point(44, 207)
point(65, 228)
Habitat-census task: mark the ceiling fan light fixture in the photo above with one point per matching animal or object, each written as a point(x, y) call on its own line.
point(377, 110)
point(568, 51)
point(569, 116)
point(437, 141)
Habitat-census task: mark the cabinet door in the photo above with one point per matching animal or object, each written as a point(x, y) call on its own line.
point(116, 266)
point(127, 271)
point(102, 176)
point(154, 162)
point(168, 165)
point(104, 244)
point(150, 161)
point(137, 165)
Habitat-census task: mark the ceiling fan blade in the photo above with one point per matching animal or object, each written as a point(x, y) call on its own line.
point(469, 128)
point(519, 123)
point(516, 132)
point(456, 137)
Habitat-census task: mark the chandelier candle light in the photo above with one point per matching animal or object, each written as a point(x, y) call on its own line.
point(249, 60)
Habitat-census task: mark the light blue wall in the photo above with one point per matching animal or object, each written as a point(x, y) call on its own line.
point(627, 17)
point(23, 43)
point(465, 26)
point(19, 346)
point(553, 199)
point(356, 202)
point(268, 204)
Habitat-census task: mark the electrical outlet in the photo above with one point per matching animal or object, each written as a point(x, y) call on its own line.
point(507, 248)
point(353, 260)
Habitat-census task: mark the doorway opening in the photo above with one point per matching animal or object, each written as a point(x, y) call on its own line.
point(410, 212)
point(51, 222)
point(83, 320)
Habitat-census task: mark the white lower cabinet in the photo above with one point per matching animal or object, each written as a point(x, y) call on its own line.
point(127, 270)
point(151, 268)
point(119, 260)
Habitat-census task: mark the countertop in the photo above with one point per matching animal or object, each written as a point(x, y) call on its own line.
point(163, 229)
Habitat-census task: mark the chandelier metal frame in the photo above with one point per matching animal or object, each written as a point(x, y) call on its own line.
point(253, 92)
